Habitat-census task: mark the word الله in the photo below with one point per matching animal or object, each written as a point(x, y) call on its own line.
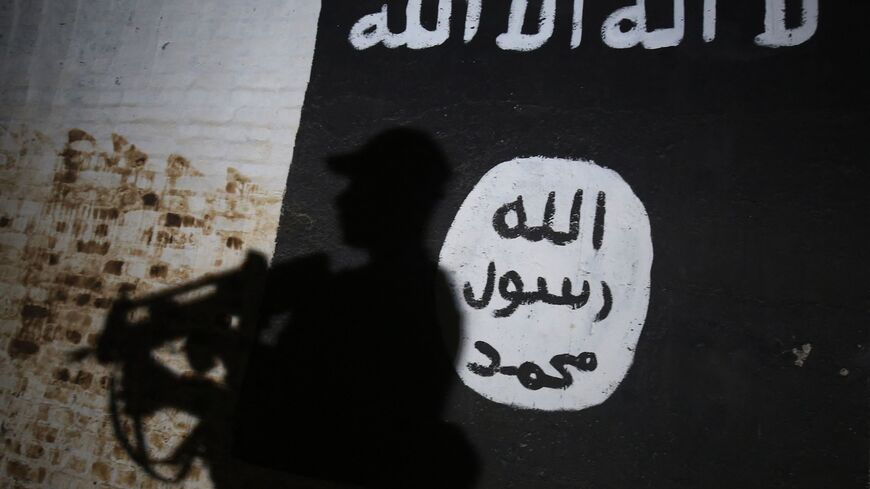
point(545, 231)
point(372, 29)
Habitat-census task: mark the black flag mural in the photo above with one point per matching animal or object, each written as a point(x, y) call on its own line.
point(590, 243)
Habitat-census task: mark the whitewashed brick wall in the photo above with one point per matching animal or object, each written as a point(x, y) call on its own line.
point(142, 144)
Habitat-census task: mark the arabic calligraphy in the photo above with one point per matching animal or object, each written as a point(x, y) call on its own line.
point(549, 265)
point(624, 28)
point(598, 226)
point(545, 231)
point(510, 288)
point(530, 374)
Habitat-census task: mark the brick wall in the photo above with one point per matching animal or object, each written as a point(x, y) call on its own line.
point(142, 144)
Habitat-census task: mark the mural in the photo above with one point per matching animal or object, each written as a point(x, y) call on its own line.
point(551, 312)
point(632, 322)
point(624, 28)
point(635, 322)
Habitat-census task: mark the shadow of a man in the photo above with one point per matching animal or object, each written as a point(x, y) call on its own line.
point(352, 386)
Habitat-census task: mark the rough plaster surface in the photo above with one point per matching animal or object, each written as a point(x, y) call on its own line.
point(142, 144)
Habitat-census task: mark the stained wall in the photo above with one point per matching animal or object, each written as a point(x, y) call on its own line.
point(142, 144)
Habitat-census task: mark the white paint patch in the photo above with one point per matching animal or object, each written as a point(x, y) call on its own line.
point(472, 20)
point(801, 354)
point(577, 24)
point(549, 262)
point(635, 16)
point(775, 32)
point(372, 28)
point(418, 37)
point(515, 40)
point(708, 31)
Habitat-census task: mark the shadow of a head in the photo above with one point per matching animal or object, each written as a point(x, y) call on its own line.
point(395, 181)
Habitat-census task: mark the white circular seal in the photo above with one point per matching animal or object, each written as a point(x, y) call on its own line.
point(549, 264)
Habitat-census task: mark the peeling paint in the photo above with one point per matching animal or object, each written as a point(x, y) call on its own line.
point(802, 353)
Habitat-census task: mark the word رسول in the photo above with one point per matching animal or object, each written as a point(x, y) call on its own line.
point(518, 297)
point(372, 29)
point(530, 375)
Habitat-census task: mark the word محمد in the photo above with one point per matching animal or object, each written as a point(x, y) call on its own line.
point(530, 375)
point(372, 29)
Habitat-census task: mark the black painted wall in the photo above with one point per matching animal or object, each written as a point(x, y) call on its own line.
point(752, 165)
